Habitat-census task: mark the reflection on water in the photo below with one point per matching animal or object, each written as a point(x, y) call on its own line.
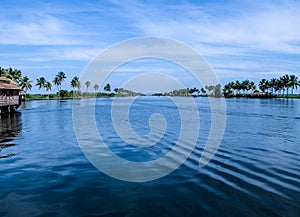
point(10, 127)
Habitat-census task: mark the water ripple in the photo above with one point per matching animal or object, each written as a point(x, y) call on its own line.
point(255, 172)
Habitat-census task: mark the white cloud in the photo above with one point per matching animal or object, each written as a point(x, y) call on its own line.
point(267, 27)
point(37, 30)
point(238, 38)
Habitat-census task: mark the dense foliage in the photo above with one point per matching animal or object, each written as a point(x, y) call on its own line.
point(273, 86)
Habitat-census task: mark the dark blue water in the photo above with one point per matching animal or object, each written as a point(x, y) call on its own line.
point(255, 172)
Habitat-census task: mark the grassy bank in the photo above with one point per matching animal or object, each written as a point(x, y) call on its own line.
point(269, 96)
point(289, 96)
point(68, 95)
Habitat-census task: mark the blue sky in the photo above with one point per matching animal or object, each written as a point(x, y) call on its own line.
point(239, 39)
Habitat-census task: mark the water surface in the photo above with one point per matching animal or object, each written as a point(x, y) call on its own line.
point(254, 173)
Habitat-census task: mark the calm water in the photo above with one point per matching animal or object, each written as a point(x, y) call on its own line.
point(256, 171)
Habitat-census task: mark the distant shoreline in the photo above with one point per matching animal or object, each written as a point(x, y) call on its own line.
point(295, 96)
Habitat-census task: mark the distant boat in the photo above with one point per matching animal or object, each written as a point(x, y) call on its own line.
point(11, 96)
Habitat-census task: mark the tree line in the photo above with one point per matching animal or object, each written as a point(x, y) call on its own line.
point(274, 86)
point(211, 90)
point(75, 83)
point(26, 84)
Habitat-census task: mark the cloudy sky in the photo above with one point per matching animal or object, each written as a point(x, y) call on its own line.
point(239, 39)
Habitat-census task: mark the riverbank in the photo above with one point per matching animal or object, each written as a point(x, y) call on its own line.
point(66, 97)
point(263, 96)
point(51, 97)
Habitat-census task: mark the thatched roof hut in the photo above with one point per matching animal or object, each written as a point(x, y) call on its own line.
point(10, 97)
point(7, 84)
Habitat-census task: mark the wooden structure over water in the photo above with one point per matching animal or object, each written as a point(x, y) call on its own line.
point(11, 95)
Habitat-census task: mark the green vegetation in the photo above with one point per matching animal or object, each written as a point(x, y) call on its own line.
point(211, 90)
point(121, 92)
point(75, 83)
point(107, 87)
point(282, 87)
point(59, 79)
point(25, 83)
point(273, 87)
point(16, 76)
point(237, 86)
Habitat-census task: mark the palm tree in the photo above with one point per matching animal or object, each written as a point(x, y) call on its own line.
point(107, 87)
point(273, 84)
point(264, 85)
point(41, 82)
point(279, 85)
point(48, 86)
point(14, 74)
point(227, 90)
point(57, 82)
point(96, 87)
point(59, 78)
point(25, 83)
point(286, 82)
point(2, 72)
point(62, 76)
point(237, 86)
point(87, 84)
point(246, 85)
point(231, 87)
point(261, 84)
point(252, 86)
point(8, 73)
point(294, 83)
point(75, 83)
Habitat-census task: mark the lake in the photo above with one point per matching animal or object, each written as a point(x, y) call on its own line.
point(255, 171)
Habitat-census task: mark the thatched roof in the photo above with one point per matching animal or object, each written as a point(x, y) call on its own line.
point(7, 84)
